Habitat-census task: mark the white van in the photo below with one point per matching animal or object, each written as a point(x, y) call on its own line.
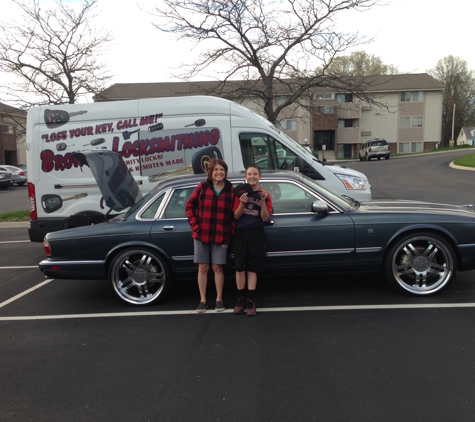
point(154, 137)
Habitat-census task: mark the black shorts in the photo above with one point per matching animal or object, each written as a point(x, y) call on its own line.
point(249, 248)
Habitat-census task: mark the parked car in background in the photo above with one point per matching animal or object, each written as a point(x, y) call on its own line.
point(419, 246)
point(6, 179)
point(376, 148)
point(20, 177)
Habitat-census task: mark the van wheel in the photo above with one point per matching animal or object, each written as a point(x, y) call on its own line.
point(387, 157)
point(140, 276)
point(361, 158)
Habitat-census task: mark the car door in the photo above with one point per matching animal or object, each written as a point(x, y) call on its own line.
point(299, 238)
point(171, 231)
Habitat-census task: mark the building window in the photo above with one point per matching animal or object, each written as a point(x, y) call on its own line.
point(325, 109)
point(405, 122)
point(287, 124)
point(406, 147)
point(408, 96)
point(417, 122)
point(326, 96)
point(345, 98)
point(345, 123)
point(8, 129)
point(281, 99)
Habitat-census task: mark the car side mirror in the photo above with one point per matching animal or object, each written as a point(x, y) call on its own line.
point(319, 207)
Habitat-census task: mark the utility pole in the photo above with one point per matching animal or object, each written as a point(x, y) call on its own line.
point(453, 124)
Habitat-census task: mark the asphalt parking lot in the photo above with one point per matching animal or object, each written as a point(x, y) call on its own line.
point(326, 348)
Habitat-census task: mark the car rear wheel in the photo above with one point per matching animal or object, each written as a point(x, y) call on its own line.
point(140, 276)
point(387, 157)
point(420, 264)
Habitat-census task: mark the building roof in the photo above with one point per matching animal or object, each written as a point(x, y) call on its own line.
point(379, 83)
point(469, 132)
point(9, 110)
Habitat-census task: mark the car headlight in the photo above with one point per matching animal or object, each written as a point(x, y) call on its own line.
point(352, 182)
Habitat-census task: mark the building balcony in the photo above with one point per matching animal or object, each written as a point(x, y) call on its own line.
point(349, 110)
point(348, 135)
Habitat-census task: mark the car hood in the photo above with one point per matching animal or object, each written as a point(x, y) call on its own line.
point(413, 206)
point(117, 185)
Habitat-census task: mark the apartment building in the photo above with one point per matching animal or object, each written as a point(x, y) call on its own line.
point(406, 110)
point(12, 135)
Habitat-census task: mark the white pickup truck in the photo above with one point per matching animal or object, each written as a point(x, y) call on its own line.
point(376, 148)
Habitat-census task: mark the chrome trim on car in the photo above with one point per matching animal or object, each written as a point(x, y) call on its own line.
point(183, 258)
point(365, 250)
point(312, 252)
point(48, 262)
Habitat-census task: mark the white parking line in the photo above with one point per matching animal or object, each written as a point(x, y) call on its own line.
point(24, 293)
point(17, 241)
point(260, 310)
point(17, 268)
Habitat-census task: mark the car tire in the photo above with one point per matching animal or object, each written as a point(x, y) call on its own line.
point(361, 158)
point(379, 158)
point(420, 264)
point(387, 157)
point(140, 276)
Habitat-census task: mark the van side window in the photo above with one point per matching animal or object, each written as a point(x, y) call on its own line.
point(265, 152)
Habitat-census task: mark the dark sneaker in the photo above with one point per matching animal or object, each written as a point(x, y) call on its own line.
point(240, 306)
point(219, 307)
point(251, 307)
point(201, 307)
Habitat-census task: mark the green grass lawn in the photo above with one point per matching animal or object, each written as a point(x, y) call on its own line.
point(467, 161)
point(15, 216)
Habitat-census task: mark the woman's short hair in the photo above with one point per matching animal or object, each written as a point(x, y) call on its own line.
point(212, 164)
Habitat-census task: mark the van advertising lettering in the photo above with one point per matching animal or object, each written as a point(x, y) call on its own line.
point(148, 149)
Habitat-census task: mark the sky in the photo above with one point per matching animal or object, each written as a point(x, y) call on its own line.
point(409, 34)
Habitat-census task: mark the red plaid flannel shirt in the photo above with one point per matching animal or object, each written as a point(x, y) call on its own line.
point(211, 216)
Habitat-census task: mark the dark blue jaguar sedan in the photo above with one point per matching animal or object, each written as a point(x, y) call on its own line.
point(419, 246)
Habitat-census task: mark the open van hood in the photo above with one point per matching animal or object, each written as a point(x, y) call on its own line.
point(118, 187)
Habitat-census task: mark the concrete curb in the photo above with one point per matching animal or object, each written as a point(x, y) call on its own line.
point(461, 167)
point(15, 225)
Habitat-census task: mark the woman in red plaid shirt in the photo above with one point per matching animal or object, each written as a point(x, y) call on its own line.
point(210, 214)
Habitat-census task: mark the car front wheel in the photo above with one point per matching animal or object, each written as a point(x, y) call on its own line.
point(421, 264)
point(140, 276)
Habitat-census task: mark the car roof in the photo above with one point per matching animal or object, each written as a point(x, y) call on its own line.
point(194, 179)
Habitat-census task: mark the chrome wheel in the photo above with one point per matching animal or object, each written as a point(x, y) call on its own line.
point(139, 276)
point(420, 264)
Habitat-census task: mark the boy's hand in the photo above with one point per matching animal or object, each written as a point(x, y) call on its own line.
point(263, 194)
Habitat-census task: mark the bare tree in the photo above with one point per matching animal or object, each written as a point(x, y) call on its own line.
point(459, 95)
point(275, 46)
point(53, 53)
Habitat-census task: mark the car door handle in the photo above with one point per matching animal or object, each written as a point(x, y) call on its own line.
point(269, 223)
point(168, 228)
